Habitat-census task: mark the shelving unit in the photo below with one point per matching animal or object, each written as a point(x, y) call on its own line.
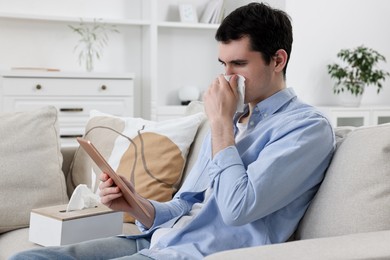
point(188, 25)
point(164, 53)
point(182, 54)
point(47, 25)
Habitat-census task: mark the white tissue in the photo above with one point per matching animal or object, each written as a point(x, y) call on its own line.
point(241, 92)
point(82, 198)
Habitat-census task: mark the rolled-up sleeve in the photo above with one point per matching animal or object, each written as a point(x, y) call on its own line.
point(289, 164)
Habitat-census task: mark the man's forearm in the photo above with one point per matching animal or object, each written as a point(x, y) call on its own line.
point(222, 136)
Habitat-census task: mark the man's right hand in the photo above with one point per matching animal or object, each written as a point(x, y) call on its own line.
point(112, 197)
point(220, 102)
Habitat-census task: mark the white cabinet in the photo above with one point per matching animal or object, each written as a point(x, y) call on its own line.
point(164, 53)
point(380, 115)
point(357, 116)
point(73, 94)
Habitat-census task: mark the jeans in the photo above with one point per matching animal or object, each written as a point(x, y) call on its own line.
point(105, 248)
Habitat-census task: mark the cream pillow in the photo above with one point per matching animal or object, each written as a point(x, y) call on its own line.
point(152, 155)
point(355, 194)
point(30, 163)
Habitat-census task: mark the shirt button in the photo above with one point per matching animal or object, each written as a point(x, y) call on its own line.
point(256, 109)
point(251, 123)
point(265, 114)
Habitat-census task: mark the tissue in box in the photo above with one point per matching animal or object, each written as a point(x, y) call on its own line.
point(53, 226)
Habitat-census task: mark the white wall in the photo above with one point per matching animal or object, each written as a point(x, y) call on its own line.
point(321, 29)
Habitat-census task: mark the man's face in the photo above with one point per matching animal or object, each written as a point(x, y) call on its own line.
point(238, 58)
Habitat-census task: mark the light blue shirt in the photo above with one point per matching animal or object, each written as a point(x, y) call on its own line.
point(261, 186)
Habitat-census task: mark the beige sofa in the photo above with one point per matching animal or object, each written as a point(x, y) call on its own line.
point(348, 219)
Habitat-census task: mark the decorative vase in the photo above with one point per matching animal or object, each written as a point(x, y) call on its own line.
point(89, 61)
point(347, 99)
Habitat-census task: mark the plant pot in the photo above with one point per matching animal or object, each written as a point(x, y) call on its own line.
point(347, 99)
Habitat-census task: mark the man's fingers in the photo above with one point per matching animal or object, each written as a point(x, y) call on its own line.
point(104, 177)
point(232, 82)
point(105, 184)
point(107, 199)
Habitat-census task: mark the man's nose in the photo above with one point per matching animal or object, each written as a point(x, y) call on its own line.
point(229, 70)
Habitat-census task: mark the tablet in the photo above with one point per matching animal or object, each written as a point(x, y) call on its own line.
point(106, 168)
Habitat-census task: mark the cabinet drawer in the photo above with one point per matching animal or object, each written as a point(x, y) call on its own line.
point(67, 87)
point(69, 133)
point(75, 107)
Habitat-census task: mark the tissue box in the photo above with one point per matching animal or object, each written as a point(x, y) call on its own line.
point(53, 226)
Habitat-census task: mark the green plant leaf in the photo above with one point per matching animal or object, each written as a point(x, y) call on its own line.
point(360, 71)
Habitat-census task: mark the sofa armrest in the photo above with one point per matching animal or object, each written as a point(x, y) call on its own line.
point(370, 245)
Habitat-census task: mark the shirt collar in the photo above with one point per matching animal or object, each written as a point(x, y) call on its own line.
point(273, 103)
point(276, 101)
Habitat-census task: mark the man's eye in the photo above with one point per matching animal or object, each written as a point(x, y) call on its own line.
point(240, 64)
point(222, 63)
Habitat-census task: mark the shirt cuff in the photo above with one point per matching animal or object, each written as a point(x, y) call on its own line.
point(144, 228)
point(224, 159)
point(162, 214)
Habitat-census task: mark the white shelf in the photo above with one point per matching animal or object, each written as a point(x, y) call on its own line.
point(52, 18)
point(188, 25)
point(60, 74)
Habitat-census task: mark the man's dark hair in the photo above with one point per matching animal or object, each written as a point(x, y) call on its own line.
point(268, 29)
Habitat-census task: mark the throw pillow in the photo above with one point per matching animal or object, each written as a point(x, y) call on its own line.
point(355, 194)
point(30, 163)
point(152, 155)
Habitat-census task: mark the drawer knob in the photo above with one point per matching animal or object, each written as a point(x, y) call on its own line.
point(38, 86)
point(103, 87)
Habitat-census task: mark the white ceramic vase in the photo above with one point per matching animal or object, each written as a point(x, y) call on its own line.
point(347, 99)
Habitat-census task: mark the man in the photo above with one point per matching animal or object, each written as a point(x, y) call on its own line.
point(257, 171)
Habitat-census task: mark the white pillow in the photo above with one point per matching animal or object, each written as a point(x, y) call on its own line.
point(152, 155)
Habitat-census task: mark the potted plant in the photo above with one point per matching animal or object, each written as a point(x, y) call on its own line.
point(93, 38)
point(359, 72)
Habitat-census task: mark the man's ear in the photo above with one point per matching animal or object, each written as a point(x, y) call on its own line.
point(280, 60)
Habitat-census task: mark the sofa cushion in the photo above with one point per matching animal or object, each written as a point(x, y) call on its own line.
point(30, 163)
point(15, 241)
point(362, 246)
point(152, 155)
point(355, 194)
